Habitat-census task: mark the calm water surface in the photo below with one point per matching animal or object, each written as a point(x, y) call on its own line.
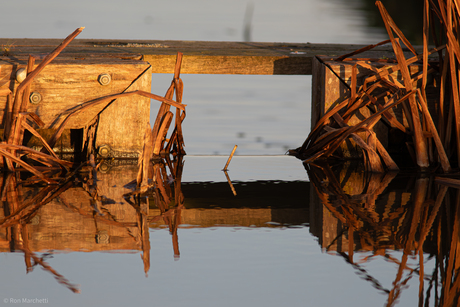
point(285, 238)
point(365, 239)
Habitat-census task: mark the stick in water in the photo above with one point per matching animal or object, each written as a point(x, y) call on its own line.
point(230, 158)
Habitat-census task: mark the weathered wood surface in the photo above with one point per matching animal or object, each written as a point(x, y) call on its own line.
point(67, 82)
point(121, 124)
point(64, 86)
point(200, 57)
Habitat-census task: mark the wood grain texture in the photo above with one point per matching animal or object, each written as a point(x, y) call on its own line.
point(122, 123)
point(64, 86)
point(200, 57)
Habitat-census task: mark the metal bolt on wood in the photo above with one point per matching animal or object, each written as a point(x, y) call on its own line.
point(35, 98)
point(104, 151)
point(104, 79)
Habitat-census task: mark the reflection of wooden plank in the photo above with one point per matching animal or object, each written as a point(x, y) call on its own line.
point(203, 57)
point(60, 228)
point(67, 222)
point(5, 245)
point(244, 217)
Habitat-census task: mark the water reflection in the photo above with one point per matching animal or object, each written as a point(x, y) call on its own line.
point(410, 222)
point(85, 213)
point(358, 213)
point(102, 210)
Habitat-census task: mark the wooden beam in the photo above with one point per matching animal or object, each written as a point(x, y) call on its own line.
point(200, 57)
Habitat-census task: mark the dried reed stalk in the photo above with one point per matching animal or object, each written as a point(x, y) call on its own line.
point(16, 114)
point(435, 136)
point(155, 141)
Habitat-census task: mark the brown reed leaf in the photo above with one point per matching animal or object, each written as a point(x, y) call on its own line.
point(439, 145)
point(336, 143)
point(164, 127)
point(367, 48)
point(390, 24)
point(419, 139)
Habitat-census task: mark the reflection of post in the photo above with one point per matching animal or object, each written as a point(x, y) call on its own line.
point(175, 237)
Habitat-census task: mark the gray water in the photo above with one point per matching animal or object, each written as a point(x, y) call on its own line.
point(271, 264)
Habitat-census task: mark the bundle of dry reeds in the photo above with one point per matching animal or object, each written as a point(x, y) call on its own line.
point(17, 120)
point(156, 142)
point(435, 132)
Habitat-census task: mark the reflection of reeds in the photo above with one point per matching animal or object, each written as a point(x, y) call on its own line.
point(435, 132)
point(19, 213)
point(21, 208)
point(155, 141)
point(428, 223)
point(166, 194)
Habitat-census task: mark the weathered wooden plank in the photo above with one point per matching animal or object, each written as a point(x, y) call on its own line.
point(200, 57)
point(122, 124)
point(64, 86)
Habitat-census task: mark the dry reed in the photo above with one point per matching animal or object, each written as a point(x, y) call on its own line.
point(435, 132)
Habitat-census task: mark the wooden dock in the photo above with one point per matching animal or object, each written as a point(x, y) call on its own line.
point(74, 77)
point(200, 57)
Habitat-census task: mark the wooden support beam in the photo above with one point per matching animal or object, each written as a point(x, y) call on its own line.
point(200, 57)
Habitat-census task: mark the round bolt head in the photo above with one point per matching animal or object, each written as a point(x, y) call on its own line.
point(21, 74)
point(104, 151)
point(35, 98)
point(35, 220)
point(104, 167)
point(102, 237)
point(104, 79)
